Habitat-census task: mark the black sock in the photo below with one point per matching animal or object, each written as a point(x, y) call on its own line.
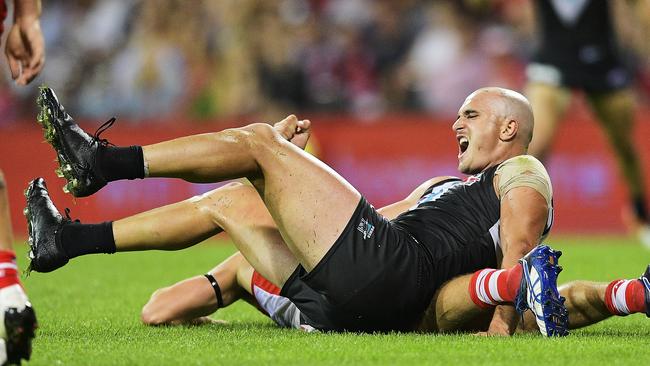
point(115, 163)
point(79, 239)
point(640, 209)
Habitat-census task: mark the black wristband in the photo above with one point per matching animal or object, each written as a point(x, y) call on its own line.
point(217, 290)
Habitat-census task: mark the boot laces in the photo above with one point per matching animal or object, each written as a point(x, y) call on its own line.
point(105, 126)
point(67, 216)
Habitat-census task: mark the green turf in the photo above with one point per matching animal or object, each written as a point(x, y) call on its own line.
point(89, 315)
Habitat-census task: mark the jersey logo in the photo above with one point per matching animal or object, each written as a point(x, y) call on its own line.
point(366, 228)
point(436, 192)
point(473, 178)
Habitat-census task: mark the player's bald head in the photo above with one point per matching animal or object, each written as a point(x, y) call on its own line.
point(511, 106)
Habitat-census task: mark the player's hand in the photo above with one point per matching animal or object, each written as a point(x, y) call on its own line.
point(25, 50)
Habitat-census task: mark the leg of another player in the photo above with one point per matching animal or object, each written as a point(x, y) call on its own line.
point(549, 105)
point(190, 301)
point(17, 318)
point(615, 112)
point(8, 267)
point(585, 302)
point(591, 302)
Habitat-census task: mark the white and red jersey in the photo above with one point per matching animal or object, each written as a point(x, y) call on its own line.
point(277, 307)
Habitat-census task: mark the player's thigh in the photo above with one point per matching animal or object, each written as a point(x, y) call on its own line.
point(614, 110)
point(549, 105)
point(310, 202)
point(240, 212)
point(452, 309)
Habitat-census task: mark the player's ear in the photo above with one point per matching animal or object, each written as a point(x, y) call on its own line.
point(509, 129)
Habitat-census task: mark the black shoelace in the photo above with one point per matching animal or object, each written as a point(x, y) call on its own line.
point(67, 216)
point(105, 126)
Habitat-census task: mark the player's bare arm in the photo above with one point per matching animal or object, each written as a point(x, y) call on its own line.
point(525, 194)
point(523, 215)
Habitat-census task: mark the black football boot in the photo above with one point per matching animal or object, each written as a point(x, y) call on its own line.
point(44, 223)
point(76, 150)
point(20, 326)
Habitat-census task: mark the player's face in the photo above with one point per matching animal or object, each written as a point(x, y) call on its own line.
point(477, 133)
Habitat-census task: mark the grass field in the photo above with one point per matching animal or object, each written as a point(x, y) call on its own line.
point(89, 315)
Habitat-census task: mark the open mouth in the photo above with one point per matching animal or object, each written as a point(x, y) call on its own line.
point(463, 143)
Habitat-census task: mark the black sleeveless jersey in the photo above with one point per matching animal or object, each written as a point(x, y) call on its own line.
point(453, 215)
point(577, 38)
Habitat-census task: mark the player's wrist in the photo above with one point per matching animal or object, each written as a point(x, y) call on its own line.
point(27, 9)
point(27, 22)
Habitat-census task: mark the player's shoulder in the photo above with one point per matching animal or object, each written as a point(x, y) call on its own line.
point(523, 170)
point(522, 163)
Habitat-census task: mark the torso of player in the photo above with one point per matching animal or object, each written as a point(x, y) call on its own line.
point(575, 34)
point(454, 213)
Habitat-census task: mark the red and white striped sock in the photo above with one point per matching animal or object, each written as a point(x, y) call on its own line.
point(623, 297)
point(490, 287)
point(8, 269)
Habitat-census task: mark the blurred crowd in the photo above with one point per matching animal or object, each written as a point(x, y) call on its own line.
point(204, 60)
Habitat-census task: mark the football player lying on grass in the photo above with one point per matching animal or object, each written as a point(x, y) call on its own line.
point(345, 265)
point(455, 307)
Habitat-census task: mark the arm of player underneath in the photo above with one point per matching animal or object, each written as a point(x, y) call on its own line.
point(395, 209)
point(525, 193)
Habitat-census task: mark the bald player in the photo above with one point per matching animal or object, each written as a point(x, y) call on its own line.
point(330, 252)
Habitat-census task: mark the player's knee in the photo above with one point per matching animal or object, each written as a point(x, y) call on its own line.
point(261, 134)
point(234, 195)
point(2, 179)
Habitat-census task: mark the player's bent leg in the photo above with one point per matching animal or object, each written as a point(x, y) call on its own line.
point(549, 104)
point(296, 185)
point(192, 300)
point(615, 113)
point(310, 202)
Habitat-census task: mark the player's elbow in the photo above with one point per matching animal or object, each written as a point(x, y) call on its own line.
point(155, 312)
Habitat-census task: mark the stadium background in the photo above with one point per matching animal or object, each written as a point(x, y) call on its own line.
point(381, 80)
